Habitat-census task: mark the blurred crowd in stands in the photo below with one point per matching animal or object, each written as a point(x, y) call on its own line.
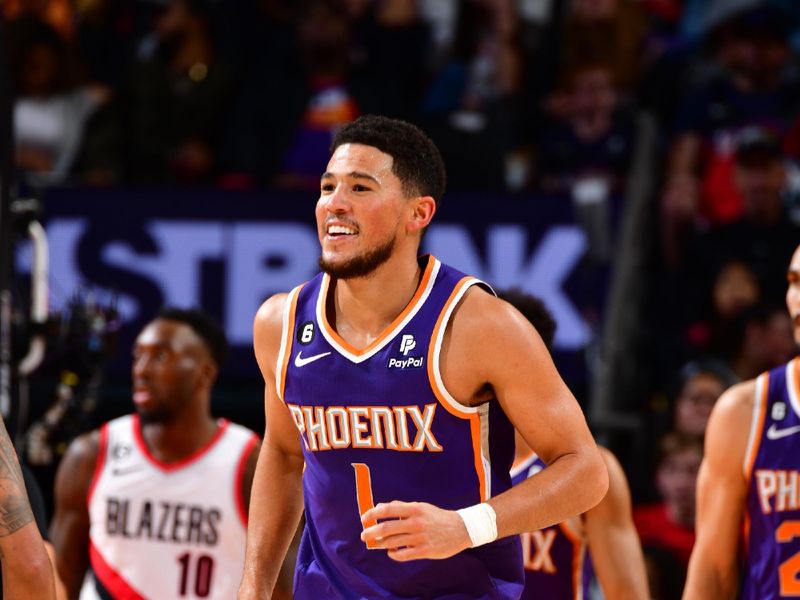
point(541, 96)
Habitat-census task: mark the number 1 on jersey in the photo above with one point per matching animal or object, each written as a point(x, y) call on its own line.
point(364, 494)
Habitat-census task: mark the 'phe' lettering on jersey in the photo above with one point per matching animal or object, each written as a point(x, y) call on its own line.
point(778, 490)
point(401, 428)
point(163, 521)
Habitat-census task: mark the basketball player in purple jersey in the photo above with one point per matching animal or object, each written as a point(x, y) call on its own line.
point(561, 560)
point(748, 488)
point(392, 382)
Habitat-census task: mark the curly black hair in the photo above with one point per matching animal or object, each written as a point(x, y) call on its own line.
point(204, 326)
point(417, 161)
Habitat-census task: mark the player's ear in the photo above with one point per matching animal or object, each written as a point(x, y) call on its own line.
point(422, 210)
point(209, 372)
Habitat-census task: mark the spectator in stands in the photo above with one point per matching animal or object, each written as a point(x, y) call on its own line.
point(51, 111)
point(669, 524)
point(323, 32)
point(590, 134)
point(335, 61)
point(470, 106)
point(763, 237)
point(702, 383)
point(611, 28)
point(758, 339)
point(752, 85)
point(735, 288)
point(175, 98)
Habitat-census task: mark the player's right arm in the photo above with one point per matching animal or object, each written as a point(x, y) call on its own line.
point(721, 495)
point(27, 572)
point(70, 528)
point(276, 500)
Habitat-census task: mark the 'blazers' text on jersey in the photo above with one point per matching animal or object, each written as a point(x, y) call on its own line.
point(378, 425)
point(771, 568)
point(161, 530)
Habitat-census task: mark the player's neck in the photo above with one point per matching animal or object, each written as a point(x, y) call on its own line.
point(364, 307)
point(181, 437)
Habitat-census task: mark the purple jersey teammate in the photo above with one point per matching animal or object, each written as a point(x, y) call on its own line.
point(748, 494)
point(556, 559)
point(772, 519)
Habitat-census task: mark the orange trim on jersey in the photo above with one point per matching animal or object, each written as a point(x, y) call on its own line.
point(751, 458)
point(288, 336)
point(796, 362)
point(112, 581)
point(100, 463)
point(138, 439)
point(423, 285)
point(578, 556)
point(440, 322)
point(474, 417)
point(239, 479)
point(759, 426)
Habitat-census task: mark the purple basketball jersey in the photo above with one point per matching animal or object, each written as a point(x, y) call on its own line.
point(556, 558)
point(771, 566)
point(377, 425)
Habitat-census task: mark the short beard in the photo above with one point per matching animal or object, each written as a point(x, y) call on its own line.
point(159, 415)
point(360, 266)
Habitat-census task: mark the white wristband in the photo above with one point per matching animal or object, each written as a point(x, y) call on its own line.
point(481, 523)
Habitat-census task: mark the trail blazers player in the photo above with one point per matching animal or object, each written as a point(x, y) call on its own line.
point(157, 501)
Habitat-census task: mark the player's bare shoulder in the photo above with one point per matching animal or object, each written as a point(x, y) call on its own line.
point(83, 450)
point(486, 324)
point(77, 467)
point(733, 411)
point(267, 330)
point(486, 338)
point(729, 427)
point(480, 311)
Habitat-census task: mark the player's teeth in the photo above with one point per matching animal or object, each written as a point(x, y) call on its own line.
point(340, 229)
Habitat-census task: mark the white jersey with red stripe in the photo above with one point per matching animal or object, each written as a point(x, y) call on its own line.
point(162, 530)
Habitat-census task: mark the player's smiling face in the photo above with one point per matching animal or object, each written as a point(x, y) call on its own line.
point(793, 293)
point(360, 210)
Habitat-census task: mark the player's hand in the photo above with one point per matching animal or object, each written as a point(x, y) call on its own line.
point(414, 530)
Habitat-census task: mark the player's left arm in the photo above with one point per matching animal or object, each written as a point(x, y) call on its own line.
point(613, 542)
point(491, 350)
point(510, 358)
point(249, 472)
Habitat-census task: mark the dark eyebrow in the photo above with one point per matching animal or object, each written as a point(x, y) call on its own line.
point(352, 174)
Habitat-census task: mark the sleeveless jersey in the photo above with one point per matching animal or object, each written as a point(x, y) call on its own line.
point(167, 530)
point(556, 558)
point(377, 425)
point(771, 566)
